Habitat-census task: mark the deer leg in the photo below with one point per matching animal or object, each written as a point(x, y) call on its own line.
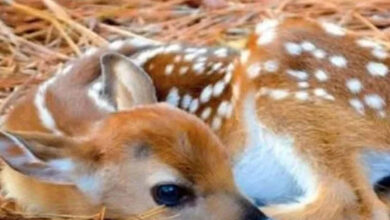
point(342, 193)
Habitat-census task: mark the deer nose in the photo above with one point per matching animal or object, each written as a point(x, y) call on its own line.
point(251, 212)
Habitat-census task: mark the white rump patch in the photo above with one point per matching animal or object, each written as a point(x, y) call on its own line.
point(377, 69)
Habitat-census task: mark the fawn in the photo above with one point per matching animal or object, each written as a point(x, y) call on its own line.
point(68, 151)
point(302, 112)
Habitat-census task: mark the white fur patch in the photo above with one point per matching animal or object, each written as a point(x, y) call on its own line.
point(173, 97)
point(216, 123)
point(301, 75)
point(169, 69)
point(293, 48)
point(321, 75)
point(245, 56)
point(374, 101)
point(380, 54)
point(308, 46)
point(278, 94)
point(354, 85)
point(266, 37)
point(183, 70)
point(218, 88)
point(357, 105)
point(141, 58)
point(338, 61)
point(44, 113)
point(302, 95)
point(224, 108)
point(216, 66)
point(319, 54)
point(265, 25)
point(271, 66)
point(377, 69)
point(368, 43)
point(189, 57)
point(206, 94)
point(206, 113)
point(303, 85)
point(270, 170)
point(172, 48)
point(186, 101)
point(194, 105)
point(94, 94)
point(333, 29)
point(253, 70)
point(320, 92)
point(221, 52)
point(199, 68)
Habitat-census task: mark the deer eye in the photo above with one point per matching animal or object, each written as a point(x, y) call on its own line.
point(171, 195)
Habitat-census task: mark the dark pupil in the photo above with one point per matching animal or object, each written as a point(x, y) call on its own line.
point(169, 195)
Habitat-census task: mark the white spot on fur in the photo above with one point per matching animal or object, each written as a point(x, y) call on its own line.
point(333, 29)
point(374, 101)
point(194, 105)
point(172, 48)
point(245, 56)
point(278, 94)
point(183, 70)
point(338, 61)
point(173, 96)
point(271, 66)
point(320, 92)
point(218, 88)
point(321, 75)
point(266, 37)
point(354, 85)
point(254, 70)
point(303, 85)
point(199, 68)
point(177, 59)
point(377, 69)
point(319, 54)
point(216, 66)
point(368, 43)
point(357, 105)
point(380, 54)
point(169, 69)
point(301, 75)
point(308, 46)
point(293, 48)
point(216, 123)
point(265, 25)
point(224, 108)
point(186, 101)
point(206, 113)
point(189, 57)
point(141, 58)
point(221, 52)
point(206, 93)
point(302, 95)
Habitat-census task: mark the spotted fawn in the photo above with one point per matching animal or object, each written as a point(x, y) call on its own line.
point(302, 111)
point(68, 150)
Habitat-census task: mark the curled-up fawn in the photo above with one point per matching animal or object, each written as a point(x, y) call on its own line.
point(68, 152)
point(303, 112)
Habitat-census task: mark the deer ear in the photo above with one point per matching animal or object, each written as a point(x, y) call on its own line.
point(42, 156)
point(126, 84)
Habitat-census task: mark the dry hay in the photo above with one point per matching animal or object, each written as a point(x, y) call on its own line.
point(38, 36)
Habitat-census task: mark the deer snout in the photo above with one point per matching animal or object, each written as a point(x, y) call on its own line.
point(251, 212)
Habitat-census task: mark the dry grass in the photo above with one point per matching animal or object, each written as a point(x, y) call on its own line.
point(38, 36)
